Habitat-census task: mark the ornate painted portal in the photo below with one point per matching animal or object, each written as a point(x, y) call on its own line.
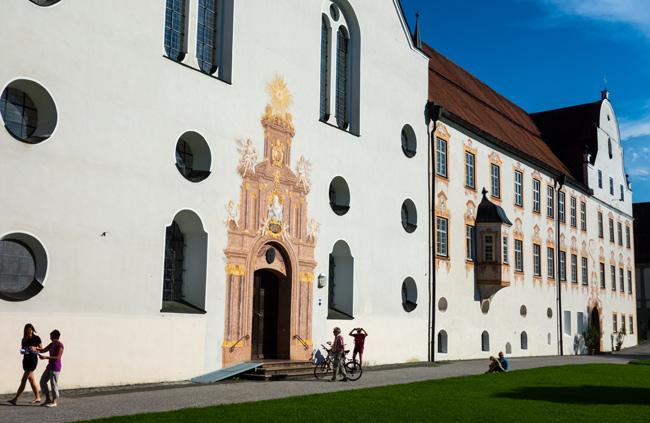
point(271, 241)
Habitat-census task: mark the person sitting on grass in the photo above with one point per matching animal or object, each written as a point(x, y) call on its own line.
point(503, 362)
point(495, 366)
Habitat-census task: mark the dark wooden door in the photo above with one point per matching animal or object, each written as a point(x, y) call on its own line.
point(264, 340)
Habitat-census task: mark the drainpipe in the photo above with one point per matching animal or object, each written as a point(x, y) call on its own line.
point(434, 113)
point(559, 182)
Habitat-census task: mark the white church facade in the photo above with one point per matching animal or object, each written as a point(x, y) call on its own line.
point(194, 184)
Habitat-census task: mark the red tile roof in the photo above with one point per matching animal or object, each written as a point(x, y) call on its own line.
point(480, 108)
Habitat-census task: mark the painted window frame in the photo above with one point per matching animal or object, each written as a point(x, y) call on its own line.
point(583, 216)
point(537, 257)
point(495, 180)
point(537, 184)
point(573, 207)
point(442, 237)
point(574, 268)
point(550, 251)
point(600, 225)
point(585, 271)
point(519, 255)
point(470, 170)
point(441, 157)
point(489, 248)
point(519, 188)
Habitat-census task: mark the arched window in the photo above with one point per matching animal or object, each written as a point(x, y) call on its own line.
point(184, 265)
point(339, 70)
point(207, 36)
point(485, 341)
point(341, 282)
point(442, 342)
point(524, 340)
point(324, 70)
point(175, 29)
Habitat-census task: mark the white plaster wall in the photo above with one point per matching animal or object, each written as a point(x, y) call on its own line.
point(109, 167)
point(464, 321)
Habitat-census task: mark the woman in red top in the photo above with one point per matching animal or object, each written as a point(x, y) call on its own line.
point(359, 340)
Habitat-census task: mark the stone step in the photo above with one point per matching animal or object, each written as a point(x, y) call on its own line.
point(281, 369)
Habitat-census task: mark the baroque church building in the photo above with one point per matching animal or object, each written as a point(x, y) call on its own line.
point(229, 181)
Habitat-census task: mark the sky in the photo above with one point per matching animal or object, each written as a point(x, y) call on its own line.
point(549, 54)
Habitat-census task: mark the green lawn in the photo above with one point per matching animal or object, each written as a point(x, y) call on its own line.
point(589, 393)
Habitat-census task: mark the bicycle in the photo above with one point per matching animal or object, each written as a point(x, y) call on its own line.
point(352, 367)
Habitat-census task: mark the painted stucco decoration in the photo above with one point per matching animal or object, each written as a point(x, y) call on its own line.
point(272, 214)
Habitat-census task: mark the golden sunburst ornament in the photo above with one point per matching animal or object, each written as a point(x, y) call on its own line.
point(280, 97)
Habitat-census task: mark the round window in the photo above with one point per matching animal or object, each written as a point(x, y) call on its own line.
point(339, 196)
point(45, 2)
point(23, 265)
point(409, 216)
point(193, 158)
point(334, 12)
point(409, 143)
point(28, 111)
point(409, 294)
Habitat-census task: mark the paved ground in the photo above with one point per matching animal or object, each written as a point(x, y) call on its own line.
point(106, 402)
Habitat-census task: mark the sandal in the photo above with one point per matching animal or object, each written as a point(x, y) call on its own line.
point(12, 401)
point(37, 400)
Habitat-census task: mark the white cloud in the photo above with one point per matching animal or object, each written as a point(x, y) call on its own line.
point(633, 12)
point(636, 128)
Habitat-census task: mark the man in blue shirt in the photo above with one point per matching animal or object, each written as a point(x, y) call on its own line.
point(503, 362)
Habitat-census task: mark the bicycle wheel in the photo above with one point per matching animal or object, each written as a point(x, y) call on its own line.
point(321, 370)
point(353, 369)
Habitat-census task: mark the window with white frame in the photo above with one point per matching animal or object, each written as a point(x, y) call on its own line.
point(519, 255)
point(629, 281)
point(611, 230)
point(470, 233)
point(614, 323)
point(573, 212)
point(551, 262)
point(602, 275)
point(519, 188)
point(339, 67)
point(621, 280)
point(496, 180)
point(583, 216)
point(611, 186)
point(600, 178)
point(470, 163)
point(550, 201)
point(488, 248)
point(574, 268)
point(627, 236)
point(613, 276)
point(631, 325)
point(600, 225)
point(441, 157)
point(537, 268)
point(441, 236)
point(536, 195)
point(562, 266)
point(504, 247)
point(560, 200)
point(619, 226)
point(585, 271)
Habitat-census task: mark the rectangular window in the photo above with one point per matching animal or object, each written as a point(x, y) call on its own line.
point(631, 325)
point(537, 270)
point(614, 323)
point(562, 266)
point(627, 236)
point(519, 189)
point(600, 178)
point(560, 211)
point(622, 193)
point(488, 248)
point(629, 281)
point(535, 195)
point(441, 236)
point(600, 224)
point(574, 268)
point(619, 226)
point(611, 230)
point(621, 280)
point(585, 270)
point(611, 186)
point(550, 201)
point(602, 275)
point(580, 321)
point(613, 278)
point(551, 263)
point(583, 216)
point(573, 212)
point(470, 232)
point(469, 169)
point(441, 157)
point(623, 322)
point(496, 181)
point(567, 322)
point(519, 255)
point(505, 249)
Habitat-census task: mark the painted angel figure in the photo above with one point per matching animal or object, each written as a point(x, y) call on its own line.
point(313, 228)
point(233, 214)
point(275, 209)
point(248, 160)
point(302, 169)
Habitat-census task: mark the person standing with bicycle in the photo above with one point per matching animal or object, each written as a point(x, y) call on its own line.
point(338, 350)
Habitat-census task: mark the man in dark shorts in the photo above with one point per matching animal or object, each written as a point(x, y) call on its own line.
point(359, 341)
